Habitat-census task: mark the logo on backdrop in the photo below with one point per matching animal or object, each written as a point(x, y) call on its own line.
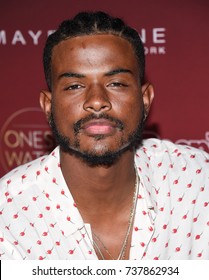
point(154, 39)
point(24, 136)
point(202, 144)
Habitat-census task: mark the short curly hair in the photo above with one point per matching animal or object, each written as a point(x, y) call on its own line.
point(88, 23)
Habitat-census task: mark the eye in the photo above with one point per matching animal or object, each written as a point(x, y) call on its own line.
point(73, 87)
point(117, 84)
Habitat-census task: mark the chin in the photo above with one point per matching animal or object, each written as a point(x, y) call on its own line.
point(99, 159)
point(99, 155)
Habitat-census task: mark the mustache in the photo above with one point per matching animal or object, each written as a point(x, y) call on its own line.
point(78, 125)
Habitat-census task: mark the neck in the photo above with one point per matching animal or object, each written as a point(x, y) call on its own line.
point(100, 186)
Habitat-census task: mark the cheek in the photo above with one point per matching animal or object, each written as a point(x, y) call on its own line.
point(65, 114)
point(131, 112)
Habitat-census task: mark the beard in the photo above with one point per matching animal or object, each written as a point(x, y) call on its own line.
point(92, 158)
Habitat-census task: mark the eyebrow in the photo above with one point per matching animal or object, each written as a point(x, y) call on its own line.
point(118, 71)
point(77, 75)
point(70, 75)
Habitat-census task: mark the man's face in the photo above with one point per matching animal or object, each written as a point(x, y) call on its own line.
point(96, 105)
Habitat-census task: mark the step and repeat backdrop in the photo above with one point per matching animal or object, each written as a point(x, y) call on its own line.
point(176, 39)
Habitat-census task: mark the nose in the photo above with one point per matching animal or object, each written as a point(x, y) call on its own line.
point(97, 100)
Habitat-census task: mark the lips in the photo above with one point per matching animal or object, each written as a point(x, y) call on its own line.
point(99, 127)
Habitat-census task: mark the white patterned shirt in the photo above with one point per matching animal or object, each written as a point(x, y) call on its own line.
point(39, 218)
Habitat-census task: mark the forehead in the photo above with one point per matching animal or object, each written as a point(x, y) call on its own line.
point(96, 50)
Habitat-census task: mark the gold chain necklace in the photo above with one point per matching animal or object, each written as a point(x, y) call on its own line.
point(97, 240)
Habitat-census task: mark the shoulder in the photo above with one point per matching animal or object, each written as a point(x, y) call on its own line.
point(23, 176)
point(172, 172)
point(161, 157)
point(162, 148)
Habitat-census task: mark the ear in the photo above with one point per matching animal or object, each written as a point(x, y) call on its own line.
point(46, 102)
point(147, 96)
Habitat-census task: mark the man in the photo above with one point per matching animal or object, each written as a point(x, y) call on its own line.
point(102, 193)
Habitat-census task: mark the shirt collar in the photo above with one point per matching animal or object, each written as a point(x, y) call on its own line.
point(145, 173)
